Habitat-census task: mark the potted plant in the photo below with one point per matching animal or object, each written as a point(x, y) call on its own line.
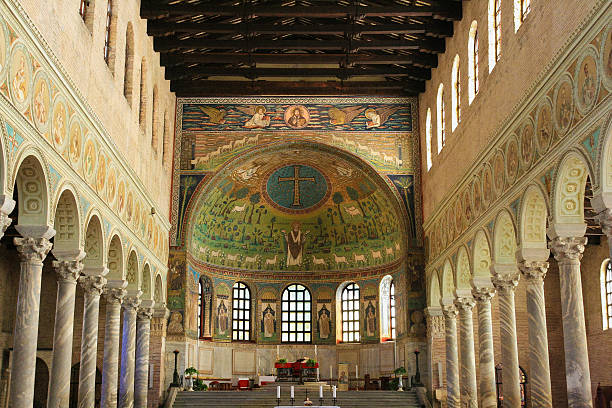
point(311, 363)
point(282, 363)
point(189, 373)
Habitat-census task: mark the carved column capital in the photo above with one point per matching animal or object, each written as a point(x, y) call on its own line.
point(533, 270)
point(464, 303)
point(92, 284)
point(435, 326)
point(568, 249)
point(6, 207)
point(145, 313)
point(5, 221)
point(483, 295)
point(69, 270)
point(449, 311)
point(114, 295)
point(131, 301)
point(33, 250)
point(506, 283)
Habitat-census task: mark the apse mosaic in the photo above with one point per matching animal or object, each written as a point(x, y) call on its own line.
point(298, 207)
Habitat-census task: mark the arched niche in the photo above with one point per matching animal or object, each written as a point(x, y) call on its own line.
point(504, 239)
point(448, 286)
point(31, 183)
point(434, 296)
point(568, 198)
point(159, 294)
point(532, 225)
point(463, 273)
point(116, 270)
point(481, 259)
point(147, 284)
point(132, 273)
point(67, 223)
point(94, 244)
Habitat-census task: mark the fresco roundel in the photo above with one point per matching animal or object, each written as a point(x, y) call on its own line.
point(296, 188)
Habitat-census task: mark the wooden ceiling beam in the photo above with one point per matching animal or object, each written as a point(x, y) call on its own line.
point(416, 59)
point(173, 74)
point(435, 45)
point(186, 88)
point(165, 29)
point(154, 9)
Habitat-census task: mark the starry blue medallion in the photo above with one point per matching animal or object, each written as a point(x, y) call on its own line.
point(296, 187)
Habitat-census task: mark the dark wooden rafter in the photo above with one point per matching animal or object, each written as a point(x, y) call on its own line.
point(392, 44)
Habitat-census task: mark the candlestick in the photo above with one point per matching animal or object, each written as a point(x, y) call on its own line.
point(318, 374)
point(278, 392)
point(292, 392)
point(334, 391)
point(320, 391)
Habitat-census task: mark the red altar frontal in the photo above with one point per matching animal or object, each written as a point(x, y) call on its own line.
point(301, 370)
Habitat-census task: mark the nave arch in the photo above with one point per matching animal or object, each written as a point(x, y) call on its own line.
point(481, 259)
point(32, 189)
point(147, 283)
point(67, 224)
point(433, 291)
point(463, 273)
point(95, 257)
point(448, 286)
point(116, 270)
point(504, 239)
point(133, 274)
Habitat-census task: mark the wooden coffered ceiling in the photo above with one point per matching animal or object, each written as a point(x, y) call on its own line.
point(299, 47)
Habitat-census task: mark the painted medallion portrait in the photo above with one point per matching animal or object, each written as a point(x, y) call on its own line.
point(111, 185)
point(487, 186)
point(41, 101)
point(564, 106)
point(527, 137)
point(297, 116)
point(129, 206)
point(467, 205)
point(20, 77)
point(587, 82)
point(458, 217)
point(606, 57)
point(120, 197)
point(499, 172)
point(59, 124)
point(101, 172)
point(76, 143)
point(476, 196)
point(512, 160)
point(89, 159)
point(544, 127)
point(3, 49)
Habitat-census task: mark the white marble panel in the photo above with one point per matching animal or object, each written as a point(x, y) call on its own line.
point(244, 362)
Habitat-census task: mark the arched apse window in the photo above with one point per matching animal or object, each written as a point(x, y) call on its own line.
point(494, 32)
point(456, 93)
point(241, 312)
point(205, 307)
point(350, 313)
point(142, 118)
point(441, 118)
point(128, 73)
point(107, 31)
point(606, 294)
point(296, 320)
point(387, 308)
point(473, 62)
point(86, 11)
point(428, 138)
point(521, 9)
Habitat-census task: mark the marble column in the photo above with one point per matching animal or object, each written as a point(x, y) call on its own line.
point(92, 287)
point(467, 366)
point(506, 283)
point(534, 273)
point(452, 357)
point(68, 268)
point(6, 207)
point(143, 334)
point(114, 293)
point(486, 361)
point(568, 252)
point(128, 350)
point(33, 249)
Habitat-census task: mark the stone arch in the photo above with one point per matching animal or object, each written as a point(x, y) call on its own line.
point(159, 294)
point(463, 272)
point(533, 214)
point(132, 272)
point(504, 239)
point(94, 243)
point(115, 259)
point(147, 283)
point(568, 196)
point(67, 222)
point(434, 295)
point(448, 286)
point(32, 190)
point(603, 188)
point(482, 255)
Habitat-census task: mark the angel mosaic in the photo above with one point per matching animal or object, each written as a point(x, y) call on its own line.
point(378, 117)
point(259, 118)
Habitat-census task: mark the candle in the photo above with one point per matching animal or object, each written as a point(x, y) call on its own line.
point(278, 392)
point(356, 371)
point(292, 392)
point(318, 374)
point(331, 374)
point(277, 352)
point(316, 352)
point(334, 391)
point(321, 391)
